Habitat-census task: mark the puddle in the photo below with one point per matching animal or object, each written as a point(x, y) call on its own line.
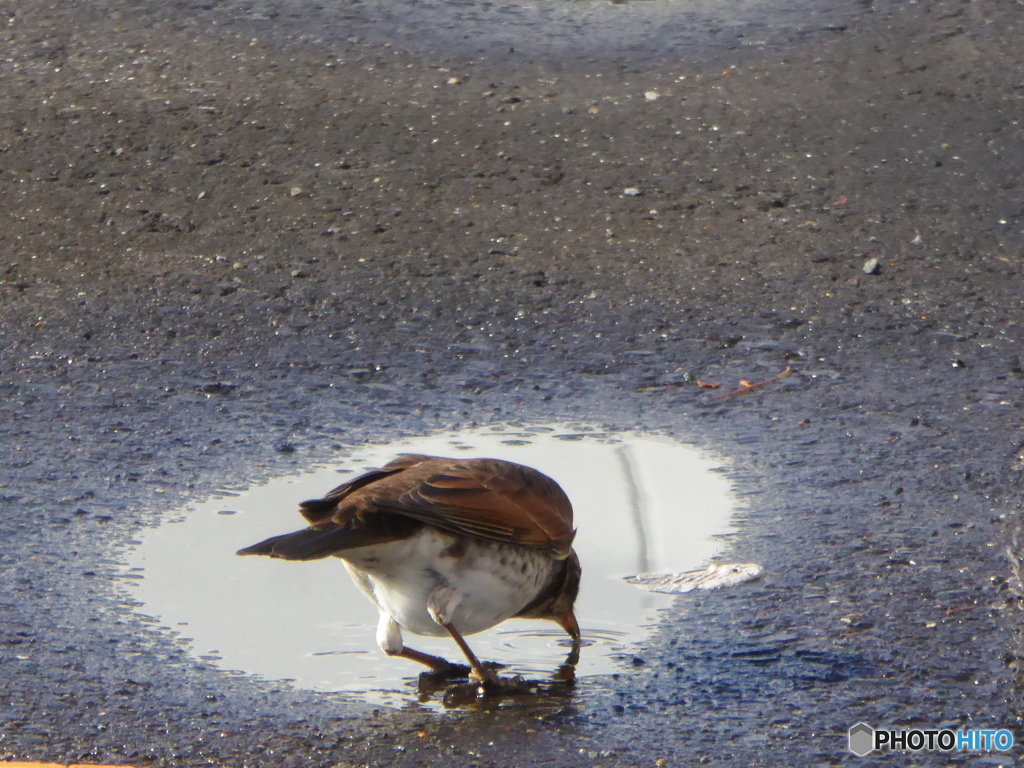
point(642, 504)
point(564, 30)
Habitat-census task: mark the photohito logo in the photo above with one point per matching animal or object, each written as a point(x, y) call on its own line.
point(864, 739)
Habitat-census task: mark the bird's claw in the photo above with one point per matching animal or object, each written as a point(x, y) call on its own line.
point(443, 677)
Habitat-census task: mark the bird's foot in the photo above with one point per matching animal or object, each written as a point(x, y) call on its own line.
point(440, 675)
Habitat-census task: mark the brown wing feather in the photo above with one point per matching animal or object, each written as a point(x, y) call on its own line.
point(487, 498)
point(338, 524)
point(318, 510)
point(484, 498)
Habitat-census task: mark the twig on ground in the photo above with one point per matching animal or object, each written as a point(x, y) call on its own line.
point(746, 386)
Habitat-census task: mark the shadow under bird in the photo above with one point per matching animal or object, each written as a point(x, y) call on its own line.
point(447, 547)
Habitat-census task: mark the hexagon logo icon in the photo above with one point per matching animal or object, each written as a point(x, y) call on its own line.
point(862, 739)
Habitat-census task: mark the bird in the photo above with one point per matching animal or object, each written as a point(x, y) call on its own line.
point(447, 547)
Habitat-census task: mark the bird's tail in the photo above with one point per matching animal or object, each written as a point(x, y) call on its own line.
point(325, 540)
point(308, 544)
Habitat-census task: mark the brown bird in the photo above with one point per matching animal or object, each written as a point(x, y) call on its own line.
point(447, 547)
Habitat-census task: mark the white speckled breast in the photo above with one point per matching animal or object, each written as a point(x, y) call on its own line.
point(494, 581)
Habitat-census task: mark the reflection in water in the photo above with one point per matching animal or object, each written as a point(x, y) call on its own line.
point(564, 32)
point(641, 504)
point(636, 506)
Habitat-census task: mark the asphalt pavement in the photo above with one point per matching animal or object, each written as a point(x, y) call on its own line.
point(236, 242)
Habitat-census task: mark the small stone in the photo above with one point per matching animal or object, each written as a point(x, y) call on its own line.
point(632, 191)
point(454, 80)
point(652, 95)
point(295, 191)
point(872, 267)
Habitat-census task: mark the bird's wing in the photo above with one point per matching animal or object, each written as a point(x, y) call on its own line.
point(320, 510)
point(486, 498)
point(337, 524)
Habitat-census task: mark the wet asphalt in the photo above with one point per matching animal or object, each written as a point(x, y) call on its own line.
point(231, 249)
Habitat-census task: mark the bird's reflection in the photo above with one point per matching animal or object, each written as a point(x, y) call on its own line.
point(456, 691)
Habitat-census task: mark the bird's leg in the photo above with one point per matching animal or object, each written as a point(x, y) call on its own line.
point(436, 663)
point(389, 638)
point(480, 672)
point(441, 605)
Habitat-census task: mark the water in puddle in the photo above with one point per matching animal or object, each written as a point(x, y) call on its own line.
point(642, 504)
point(519, 30)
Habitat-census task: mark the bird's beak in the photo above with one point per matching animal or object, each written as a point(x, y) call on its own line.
point(567, 621)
